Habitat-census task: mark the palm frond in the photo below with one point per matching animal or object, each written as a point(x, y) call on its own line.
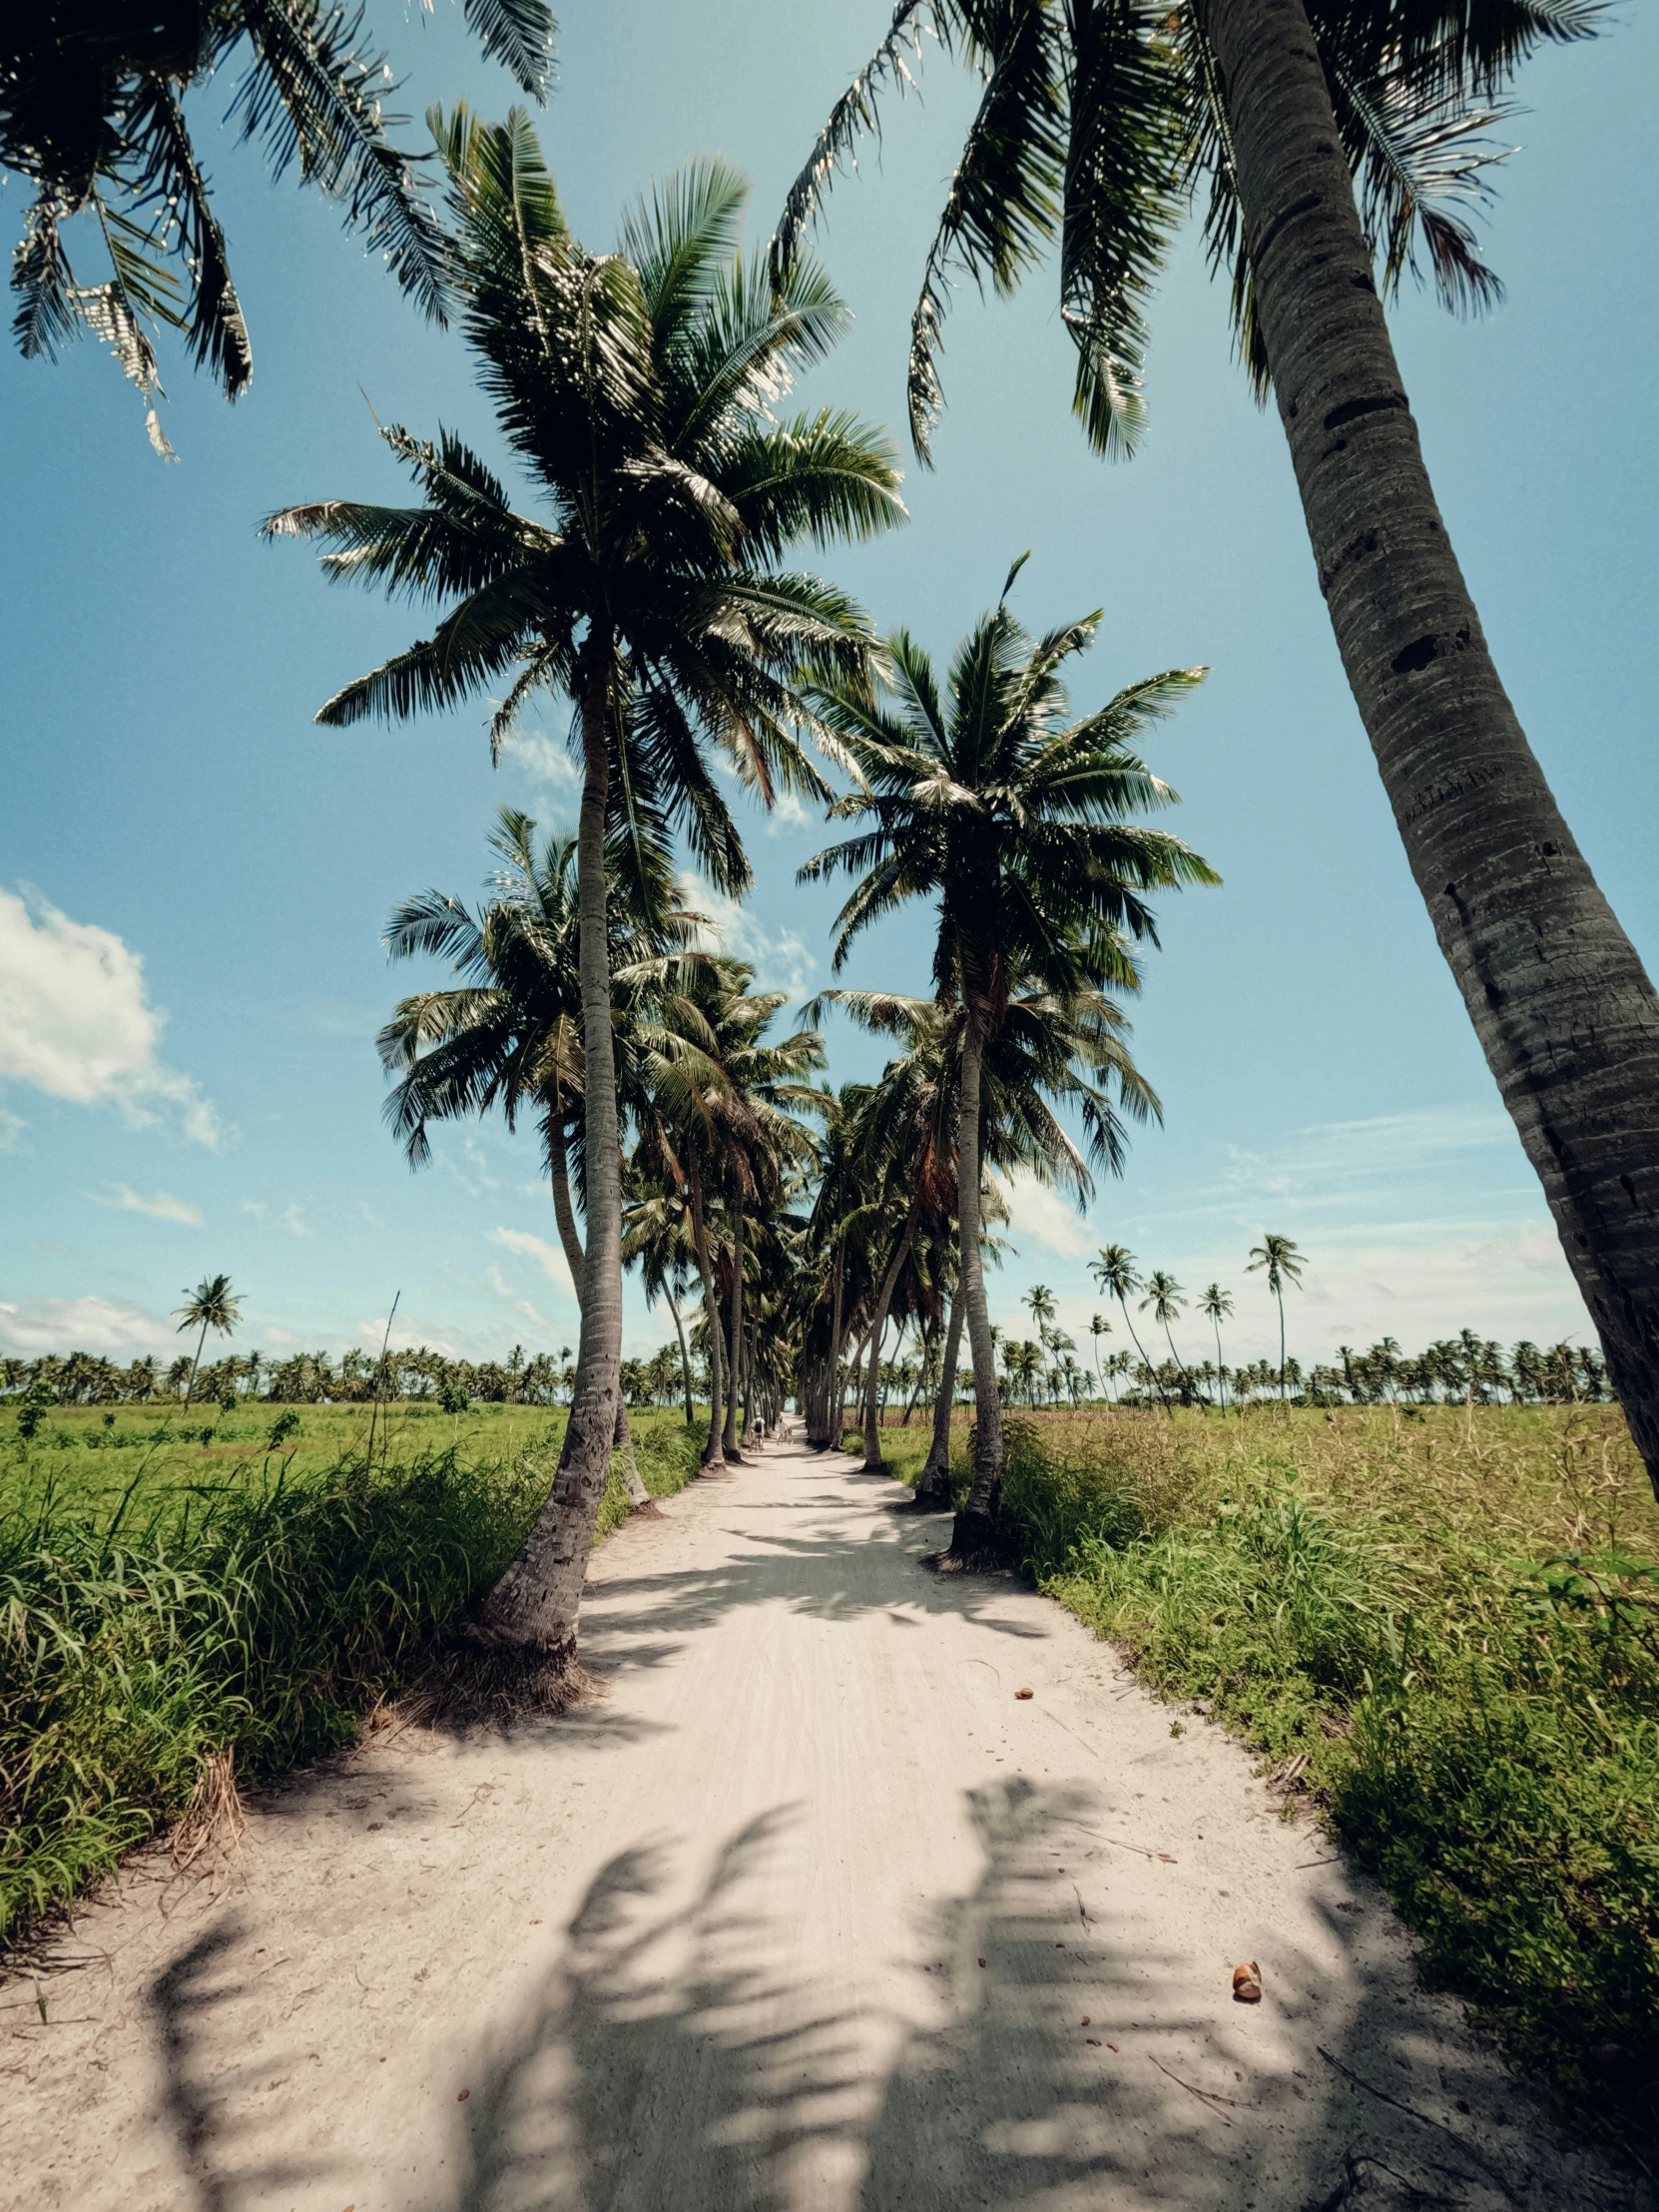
point(519, 35)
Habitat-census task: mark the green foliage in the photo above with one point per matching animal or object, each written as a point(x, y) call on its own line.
point(222, 1600)
point(1389, 1612)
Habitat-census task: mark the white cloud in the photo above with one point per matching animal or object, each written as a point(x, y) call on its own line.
point(31, 1325)
point(1037, 1214)
point(158, 1205)
point(546, 1256)
point(279, 1336)
point(75, 1023)
point(257, 1207)
point(292, 1220)
point(543, 761)
point(12, 1127)
point(786, 813)
point(780, 959)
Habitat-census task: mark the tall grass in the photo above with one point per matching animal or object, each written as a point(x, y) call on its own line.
point(147, 1632)
point(1444, 1631)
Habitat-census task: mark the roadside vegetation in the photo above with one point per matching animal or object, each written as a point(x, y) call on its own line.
point(178, 1617)
point(1439, 1628)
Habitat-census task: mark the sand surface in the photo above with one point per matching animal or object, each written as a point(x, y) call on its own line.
point(806, 1912)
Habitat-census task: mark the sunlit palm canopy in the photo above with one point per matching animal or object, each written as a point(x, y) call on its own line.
point(639, 389)
point(1016, 819)
point(1102, 124)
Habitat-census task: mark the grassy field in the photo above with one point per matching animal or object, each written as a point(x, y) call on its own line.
point(177, 1607)
point(1440, 1628)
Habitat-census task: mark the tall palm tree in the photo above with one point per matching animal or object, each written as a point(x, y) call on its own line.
point(1114, 1271)
point(1039, 1302)
point(1334, 145)
point(92, 117)
point(986, 799)
point(1279, 1255)
point(1215, 1304)
point(1165, 1300)
point(213, 1306)
point(639, 389)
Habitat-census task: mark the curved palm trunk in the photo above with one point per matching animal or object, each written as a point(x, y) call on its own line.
point(564, 1212)
point(729, 1436)
point(934, 1483)
point(1221, 1372)
point(200, 1345)
point(535, 1603)
point(713, 1454)
point(1280, 1295)
point(975, 1525)
point(685, 1356)
point(822, 1440)
point(570, 1237)
point(1141, 1348)
point(873, 1461)
point(1565, 1013)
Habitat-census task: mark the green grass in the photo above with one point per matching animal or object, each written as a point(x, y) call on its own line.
point(1443, 1630)
point(163, 1602)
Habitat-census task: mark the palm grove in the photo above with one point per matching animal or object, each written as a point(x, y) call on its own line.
point(646, 575)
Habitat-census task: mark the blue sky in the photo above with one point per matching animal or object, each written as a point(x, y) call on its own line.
point(193, 879)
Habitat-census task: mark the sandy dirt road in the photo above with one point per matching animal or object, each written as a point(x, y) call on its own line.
point(807, 1914)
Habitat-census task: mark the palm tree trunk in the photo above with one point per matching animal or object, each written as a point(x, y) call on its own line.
point(564, 1213)
point(730, 1439)
point(873, 1461)
point(934, 1483)
point(685, 1356)
point(833, 1388)
point(1280, 1298)
point(1221, 1372)
point(975, 1525)
point(713, 1454)
point(1565, 1013)
point(852, 1387)
point(190, 1383)
point(535, 1603)
point(1141, 1348)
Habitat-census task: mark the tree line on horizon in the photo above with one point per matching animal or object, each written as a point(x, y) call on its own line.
point(648, 580)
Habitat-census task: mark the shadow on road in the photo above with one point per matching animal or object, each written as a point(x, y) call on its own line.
point(674, 2060)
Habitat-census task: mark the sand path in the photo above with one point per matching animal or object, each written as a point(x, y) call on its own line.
point(807, 1914)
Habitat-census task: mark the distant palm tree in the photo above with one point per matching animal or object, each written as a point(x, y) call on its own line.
point(1215, 1304)
point(1099, 1327)
point(640, 389)
point(1164, 1298)
point(212, 1304)
point(1279, 1255)
point(984, 796)
point(1114, 1272)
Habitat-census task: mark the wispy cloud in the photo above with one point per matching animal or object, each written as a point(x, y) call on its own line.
point(76, 1022)
point(32, 1326)
point(543, 761)
point(1040, 1215)
point(158, 1205)
point(782, 960)
point(294, 1221)
point(548, 1257)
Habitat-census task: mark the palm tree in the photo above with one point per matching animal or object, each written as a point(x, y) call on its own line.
point(212, 1305)
point(92, 117)
point(1164, 1298)
point(1018, 821)
point(1099, 1328)
point(1114, 1272)
point(639, 388)
point(1039, 1303)
point(1279, 1255)
point(1334, 145)
point(1215, 1304)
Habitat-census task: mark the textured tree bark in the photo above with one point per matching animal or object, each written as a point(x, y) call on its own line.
point(974, 1530)
point(933, 1484)
point(1565, 1013)
point(564, 1213)
point(713, 1454)
point(874, 1463)
point(824, 1439)
point(534, 1605)
point(729, 1436)
point(685, 1356)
